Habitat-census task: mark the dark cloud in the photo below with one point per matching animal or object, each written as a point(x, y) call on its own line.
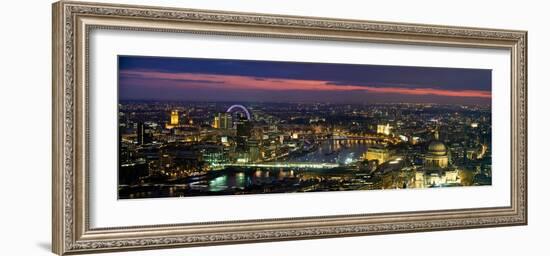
point(374, 76)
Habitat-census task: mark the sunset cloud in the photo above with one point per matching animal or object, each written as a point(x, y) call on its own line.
point(197, 80)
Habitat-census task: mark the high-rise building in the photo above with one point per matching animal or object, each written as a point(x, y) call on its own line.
point(140, 133)
point(226, 121)
point(143, 134)
point(244, 128)
point(216, 124)
point(223, 121)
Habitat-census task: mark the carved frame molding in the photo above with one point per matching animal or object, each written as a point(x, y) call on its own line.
point(72, 23)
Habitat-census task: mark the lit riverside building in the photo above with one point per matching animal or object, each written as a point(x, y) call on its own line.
point(174, 120)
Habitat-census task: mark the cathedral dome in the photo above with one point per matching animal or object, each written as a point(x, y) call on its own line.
point(437, 148)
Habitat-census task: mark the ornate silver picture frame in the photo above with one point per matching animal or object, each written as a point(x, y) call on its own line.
point(72, 24)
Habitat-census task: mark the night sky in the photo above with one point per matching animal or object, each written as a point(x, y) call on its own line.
point(192, 79)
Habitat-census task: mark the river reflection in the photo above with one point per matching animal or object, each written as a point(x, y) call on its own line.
point(334, 151)
point(239, 180)
point(245, 179)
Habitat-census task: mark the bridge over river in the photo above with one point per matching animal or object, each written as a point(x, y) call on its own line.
point(282, 165)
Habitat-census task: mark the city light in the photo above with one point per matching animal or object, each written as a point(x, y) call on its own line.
point(253, 152)
point(251, 127)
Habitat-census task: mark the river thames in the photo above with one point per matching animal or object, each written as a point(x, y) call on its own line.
point(253, 180)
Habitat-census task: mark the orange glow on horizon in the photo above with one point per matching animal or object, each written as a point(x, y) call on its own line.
point(196, 80)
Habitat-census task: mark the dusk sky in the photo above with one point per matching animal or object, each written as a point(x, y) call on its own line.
point(192, 79)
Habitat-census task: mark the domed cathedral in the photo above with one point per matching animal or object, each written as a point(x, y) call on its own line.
point(437, 156)
point(437, 169)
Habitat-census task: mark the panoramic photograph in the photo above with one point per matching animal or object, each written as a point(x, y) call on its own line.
point(206, 127)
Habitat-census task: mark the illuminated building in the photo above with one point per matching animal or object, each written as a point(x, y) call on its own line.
point(223, 121)
point(476, 152)
point(383, 129)
point(185, 133)
point(226, 121)
point(470, 153)
point(216, 123)
point(380, 154)
point(140, 133)
point(437, 171)
point(215, 155)
point(224, 140)
point(174, 120)
point(447, 177)
point(437, 156)
point(419, 179)
point(174, 117)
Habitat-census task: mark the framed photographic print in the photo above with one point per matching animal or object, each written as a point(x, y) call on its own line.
point(178, 127)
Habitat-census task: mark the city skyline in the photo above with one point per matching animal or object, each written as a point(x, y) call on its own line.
point(210, 127)
point(191, 79)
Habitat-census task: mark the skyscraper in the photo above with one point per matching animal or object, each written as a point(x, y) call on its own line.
point(143, 135)
point(226, 121)
point(216, 123)
point(223, 121)
point(244, 128)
